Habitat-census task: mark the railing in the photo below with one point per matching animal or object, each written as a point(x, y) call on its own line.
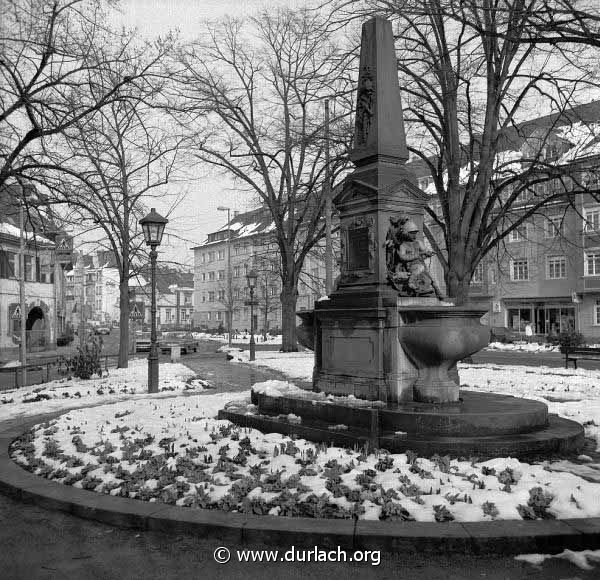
point(43, 371)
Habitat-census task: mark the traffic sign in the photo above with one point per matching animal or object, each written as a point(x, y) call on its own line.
point(16, 315)
point(135, 313)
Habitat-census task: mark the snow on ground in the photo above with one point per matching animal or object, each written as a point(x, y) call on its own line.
point(581, 559)
point(118, 384)
point(175, 450)
point(240, 338)
point(524, 346)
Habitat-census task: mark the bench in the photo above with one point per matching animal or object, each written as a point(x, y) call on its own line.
point(574, 353)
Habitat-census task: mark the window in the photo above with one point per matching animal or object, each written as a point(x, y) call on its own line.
point(556, 267)
point(211, 256)
point(217, 316)
point(236, 250)
point(273, 290)
point(236, 272)
point(203, 276)
point(168, 314)
point(211, 296)
point(29, 273)
point(9, 264)
point(203, 258)
point(208, 316)
point(597, 313)
point(592, 219)
point(523, 196)
point(221, 254)
point(493, 275)
point(203, 297)
point(245, 269)
point(98, 290)
point(187, 298)
point(425, 182)
point(519, 270)
point(478, 275)
point(592, 263)
point(221, 275)
point(518, 234)
point(221, 294)
point(211, 276)
point(236, 293)
point(553, 227)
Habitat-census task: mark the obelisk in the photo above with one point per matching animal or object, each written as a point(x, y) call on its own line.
point(357, 351)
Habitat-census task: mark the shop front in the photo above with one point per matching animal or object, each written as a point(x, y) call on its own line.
point(544, 317)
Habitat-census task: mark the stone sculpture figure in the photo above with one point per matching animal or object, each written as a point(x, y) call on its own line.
point(364, 106)
point(406, 255)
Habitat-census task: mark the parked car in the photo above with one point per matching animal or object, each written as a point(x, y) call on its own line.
point(142, 342)
point(102, 330)
point(184, 340)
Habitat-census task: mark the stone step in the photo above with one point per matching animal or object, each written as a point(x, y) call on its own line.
point(478, 414)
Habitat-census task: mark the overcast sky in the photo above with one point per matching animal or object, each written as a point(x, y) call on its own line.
point(197, 215)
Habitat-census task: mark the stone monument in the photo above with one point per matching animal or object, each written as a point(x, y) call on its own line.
point(385, 340)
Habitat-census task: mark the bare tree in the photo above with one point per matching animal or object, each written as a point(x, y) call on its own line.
point(253, 94)
point(49, 66)
point(472, 71)
point(118, 160)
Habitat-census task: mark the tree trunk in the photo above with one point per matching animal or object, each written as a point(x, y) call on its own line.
point(123, 362)
point(289, 297)
point(457, 286)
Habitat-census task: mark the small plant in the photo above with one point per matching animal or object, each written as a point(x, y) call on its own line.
point(442, 514)
point(566, 340)
point(537, 505)
point(87, 360)
point(490, 509)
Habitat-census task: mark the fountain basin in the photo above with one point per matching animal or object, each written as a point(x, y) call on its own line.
point(435, 338)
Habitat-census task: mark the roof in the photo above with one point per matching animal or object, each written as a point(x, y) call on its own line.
point(577, 130)
point(243, 225)
point(40, 223)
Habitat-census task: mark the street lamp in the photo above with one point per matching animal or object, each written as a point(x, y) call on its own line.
point(153, 226)
point(252, 277)
point(229, 291)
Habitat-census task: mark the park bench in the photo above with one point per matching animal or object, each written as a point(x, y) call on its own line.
point(574, 353)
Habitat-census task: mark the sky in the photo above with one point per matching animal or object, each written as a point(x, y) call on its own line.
point(197, 215)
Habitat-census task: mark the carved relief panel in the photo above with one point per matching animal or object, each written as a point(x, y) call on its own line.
point(358, 248)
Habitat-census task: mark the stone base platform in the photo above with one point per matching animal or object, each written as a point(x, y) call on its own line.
point(481, 425)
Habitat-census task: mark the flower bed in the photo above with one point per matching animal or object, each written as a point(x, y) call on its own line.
point(175, 451)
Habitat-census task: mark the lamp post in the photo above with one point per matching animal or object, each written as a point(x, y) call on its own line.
point(252, 277)
point(153, 226)
point(229, 290)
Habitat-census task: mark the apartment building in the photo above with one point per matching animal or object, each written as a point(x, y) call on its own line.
point(251, 241)
point(43, 280)
point(546, 273)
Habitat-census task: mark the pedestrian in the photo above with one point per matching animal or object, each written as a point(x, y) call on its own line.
point(529, 331)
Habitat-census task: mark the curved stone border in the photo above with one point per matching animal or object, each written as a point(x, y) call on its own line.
point(498, 537)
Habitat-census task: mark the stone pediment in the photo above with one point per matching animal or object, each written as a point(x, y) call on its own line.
point(357, 189)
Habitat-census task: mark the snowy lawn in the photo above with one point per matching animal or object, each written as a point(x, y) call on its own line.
point(174, 450)
point(118, 384)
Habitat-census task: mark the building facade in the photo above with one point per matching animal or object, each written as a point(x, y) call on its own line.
point(250, 241)
point(43, 278)
point(546, 273)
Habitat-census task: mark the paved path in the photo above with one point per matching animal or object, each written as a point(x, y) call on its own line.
point(36, 543)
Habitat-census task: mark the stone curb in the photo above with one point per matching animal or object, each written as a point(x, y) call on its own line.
point(482, 538)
